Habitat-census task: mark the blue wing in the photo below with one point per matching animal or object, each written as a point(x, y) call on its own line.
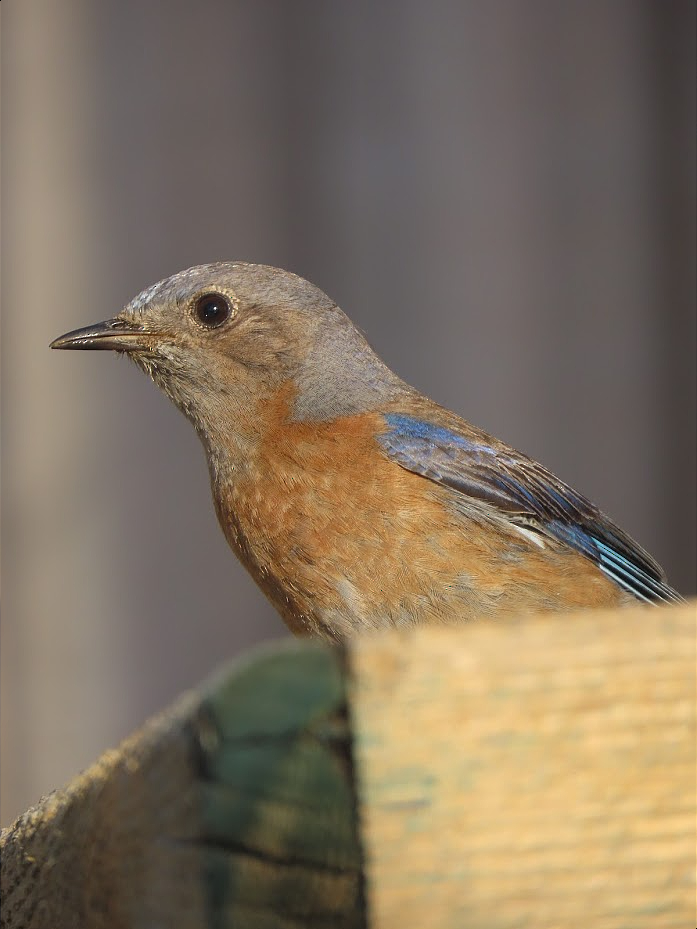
point(480, 468)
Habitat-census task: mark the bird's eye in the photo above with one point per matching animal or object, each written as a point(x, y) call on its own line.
point(211, 310)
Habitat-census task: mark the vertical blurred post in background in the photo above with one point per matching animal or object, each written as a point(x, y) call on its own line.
point(502, 195)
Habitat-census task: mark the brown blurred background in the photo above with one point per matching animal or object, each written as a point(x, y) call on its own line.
point(501, 194)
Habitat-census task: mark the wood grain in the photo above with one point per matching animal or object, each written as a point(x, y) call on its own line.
point(530, 774)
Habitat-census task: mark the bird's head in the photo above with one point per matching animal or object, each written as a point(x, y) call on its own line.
point(222, 338)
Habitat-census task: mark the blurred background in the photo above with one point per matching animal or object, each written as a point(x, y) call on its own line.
point(501, 194)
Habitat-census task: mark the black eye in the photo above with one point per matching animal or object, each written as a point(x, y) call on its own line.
point(211, 310)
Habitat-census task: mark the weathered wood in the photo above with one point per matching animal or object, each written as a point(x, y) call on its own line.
point(236, 808)
point(537, 774)
point(531, 774)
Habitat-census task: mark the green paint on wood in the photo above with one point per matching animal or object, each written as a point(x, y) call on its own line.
point(277, 797)
point(279, 690)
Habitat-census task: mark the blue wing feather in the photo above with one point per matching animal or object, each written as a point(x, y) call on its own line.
point(526, 492)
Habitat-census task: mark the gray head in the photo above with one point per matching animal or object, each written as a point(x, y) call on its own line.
point(220, 338)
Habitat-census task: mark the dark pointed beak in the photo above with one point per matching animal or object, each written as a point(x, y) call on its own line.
point(119, 335)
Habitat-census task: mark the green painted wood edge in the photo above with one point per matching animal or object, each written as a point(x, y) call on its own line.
point(278, 803)
point(234, 808)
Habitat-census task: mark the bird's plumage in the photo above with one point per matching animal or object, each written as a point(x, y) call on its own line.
point(354, 501)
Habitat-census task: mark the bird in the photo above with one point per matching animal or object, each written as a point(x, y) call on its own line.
point(355, 502)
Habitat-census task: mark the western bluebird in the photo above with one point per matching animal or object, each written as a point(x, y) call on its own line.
point(354, 501)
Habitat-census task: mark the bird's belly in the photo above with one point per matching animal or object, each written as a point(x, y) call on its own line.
point(340, 551)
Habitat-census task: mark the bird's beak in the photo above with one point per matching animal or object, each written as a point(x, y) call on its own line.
point(117, 334)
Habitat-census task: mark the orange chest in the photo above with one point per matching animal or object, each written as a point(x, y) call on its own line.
point(315, 518)
point(309, 484)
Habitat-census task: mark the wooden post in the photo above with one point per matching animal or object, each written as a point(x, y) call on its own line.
point(536, 774)
point(539, 773)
